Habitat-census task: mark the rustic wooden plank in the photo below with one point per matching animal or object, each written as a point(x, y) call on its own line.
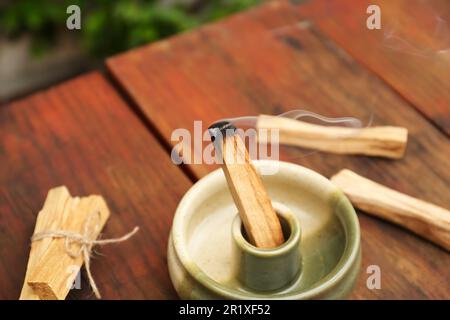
point(268, 61)
point(82, 134)
point(411, 51)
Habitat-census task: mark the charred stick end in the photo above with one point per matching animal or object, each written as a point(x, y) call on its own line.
point(221, 129)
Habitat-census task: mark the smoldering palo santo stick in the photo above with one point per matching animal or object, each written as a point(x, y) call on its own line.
point(260, 221)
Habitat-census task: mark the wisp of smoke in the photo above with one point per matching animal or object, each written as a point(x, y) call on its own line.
point(441, 43)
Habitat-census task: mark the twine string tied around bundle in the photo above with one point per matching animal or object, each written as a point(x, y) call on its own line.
point(86, 241)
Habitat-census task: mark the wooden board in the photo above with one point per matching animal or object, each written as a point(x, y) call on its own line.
point(81, 134)
point(411, 51)
point(268, 61)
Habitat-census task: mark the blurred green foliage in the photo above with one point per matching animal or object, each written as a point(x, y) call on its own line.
point(110, 26)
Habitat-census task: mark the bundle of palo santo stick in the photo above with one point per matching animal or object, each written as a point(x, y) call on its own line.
point(66, 229)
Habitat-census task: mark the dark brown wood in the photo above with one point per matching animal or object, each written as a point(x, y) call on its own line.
point(411, 51)
point(269, 60)
point(81, 134)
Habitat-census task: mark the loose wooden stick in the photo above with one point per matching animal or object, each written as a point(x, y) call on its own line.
point(260, 221)
point(53, 275)
point(49, 218)
point(386, 141)
point(423, 218)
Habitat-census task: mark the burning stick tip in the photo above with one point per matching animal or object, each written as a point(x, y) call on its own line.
point(221, 129)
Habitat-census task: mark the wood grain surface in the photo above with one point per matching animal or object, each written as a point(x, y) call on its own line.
point(411, 51)
point(82, 135)
point(270, 60)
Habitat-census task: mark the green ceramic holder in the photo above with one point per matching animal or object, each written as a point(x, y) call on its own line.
point(268, 269)
point(210, 258)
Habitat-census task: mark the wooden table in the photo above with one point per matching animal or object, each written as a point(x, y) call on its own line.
point(110, 134)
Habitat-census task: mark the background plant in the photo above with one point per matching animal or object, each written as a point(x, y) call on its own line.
point(110, 26)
